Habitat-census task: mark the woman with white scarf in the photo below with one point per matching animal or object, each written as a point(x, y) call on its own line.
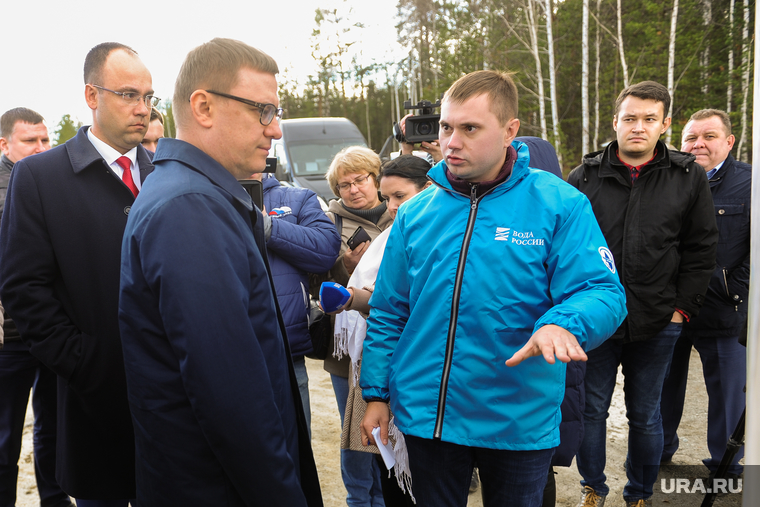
point(400, 180)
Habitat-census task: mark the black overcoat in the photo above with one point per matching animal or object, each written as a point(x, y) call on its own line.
point(60, 248)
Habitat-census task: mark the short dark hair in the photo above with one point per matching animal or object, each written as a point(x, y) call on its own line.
point(10, 118)
point(411, 167)
point(646, 90)
point(155, 114)
point(96, 60)
point(704, 114)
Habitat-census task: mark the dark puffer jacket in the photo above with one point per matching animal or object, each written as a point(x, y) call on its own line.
point(725, 310)
point(303, 240)
point(661, 231)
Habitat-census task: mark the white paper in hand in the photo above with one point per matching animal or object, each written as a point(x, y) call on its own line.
point(386, 450)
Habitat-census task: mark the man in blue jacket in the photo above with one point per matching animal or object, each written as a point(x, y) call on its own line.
point(216, 410)
point(715, 331)
point(301, 239)
point(497, 261)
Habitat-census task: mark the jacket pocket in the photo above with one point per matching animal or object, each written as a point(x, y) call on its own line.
point(729, 218)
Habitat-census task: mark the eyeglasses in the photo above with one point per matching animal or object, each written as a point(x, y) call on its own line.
point(358, 182)
point(268, 111)
point(133, 98)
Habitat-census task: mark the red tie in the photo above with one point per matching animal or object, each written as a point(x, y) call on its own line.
point(126, 176)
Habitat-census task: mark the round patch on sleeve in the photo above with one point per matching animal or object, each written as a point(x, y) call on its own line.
point(607, 258)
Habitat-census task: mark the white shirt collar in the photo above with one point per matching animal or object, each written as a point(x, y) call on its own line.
point(109, 154)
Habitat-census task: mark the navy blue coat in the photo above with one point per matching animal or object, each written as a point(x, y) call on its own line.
point(218, 420)
point(303, 240)
point(60, 245)
point(724, 312)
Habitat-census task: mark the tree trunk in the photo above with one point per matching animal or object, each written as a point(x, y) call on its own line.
point(584, 80)
point(704, 58)
point(533, 26)
point(746, 48)
point(596, 78)
point(730, 87)
point(621, 48)
point(671, 66)
point(553, 81)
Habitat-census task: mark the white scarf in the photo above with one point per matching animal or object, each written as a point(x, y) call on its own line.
point(350, 331)
point(350, 326)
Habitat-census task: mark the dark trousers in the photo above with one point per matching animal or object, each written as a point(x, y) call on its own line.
point(20, 372)
point(441, 474)
point(724, 367)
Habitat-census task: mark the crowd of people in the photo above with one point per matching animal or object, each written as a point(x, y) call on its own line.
point(162, 319)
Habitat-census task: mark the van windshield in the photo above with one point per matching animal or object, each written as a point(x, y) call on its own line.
point(313, 159)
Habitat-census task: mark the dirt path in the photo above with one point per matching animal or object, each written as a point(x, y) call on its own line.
point(326, 441)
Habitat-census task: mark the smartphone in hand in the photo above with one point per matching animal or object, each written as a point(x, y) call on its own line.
point(357, 238)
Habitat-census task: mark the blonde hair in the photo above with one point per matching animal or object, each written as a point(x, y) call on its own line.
point(353, 159)
point(214, 66)
point(498, 86)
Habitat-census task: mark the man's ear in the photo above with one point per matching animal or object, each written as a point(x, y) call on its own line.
point(4, 146)
point(91, 96)
point(730, 139)
point(202, 107)
point(510, 131)
point(665, 125)
point(614, 123)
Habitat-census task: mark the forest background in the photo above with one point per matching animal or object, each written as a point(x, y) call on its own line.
point(571, 58)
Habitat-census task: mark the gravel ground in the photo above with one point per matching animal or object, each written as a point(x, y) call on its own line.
point(326, 441)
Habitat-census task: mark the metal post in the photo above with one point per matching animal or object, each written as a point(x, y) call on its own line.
point(751, 497)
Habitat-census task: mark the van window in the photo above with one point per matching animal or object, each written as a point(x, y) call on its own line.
point(310, 159)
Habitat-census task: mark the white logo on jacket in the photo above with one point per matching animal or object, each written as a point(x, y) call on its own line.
point(502, 234)
point(607, 258)
point(280, 212)
point(518, 238)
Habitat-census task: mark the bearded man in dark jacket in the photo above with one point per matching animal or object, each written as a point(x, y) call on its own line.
point(715, 332)
point(655, 210)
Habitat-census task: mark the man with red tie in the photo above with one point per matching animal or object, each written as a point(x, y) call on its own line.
point(60, 244)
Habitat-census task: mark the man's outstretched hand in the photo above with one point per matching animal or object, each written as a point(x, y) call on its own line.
point(550, 341)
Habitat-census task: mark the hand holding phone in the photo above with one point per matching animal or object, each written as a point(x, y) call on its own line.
point(357, 238)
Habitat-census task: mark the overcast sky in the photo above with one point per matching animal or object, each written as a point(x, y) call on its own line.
point(45, 41)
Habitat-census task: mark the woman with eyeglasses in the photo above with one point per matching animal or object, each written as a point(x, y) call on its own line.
point(400, 180)
point(353, 177)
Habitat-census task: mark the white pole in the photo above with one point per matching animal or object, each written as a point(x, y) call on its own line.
point(752, 445)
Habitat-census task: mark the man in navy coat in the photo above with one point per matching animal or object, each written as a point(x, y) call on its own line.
point(60, 245)
point(217, 414)
point(715, 331)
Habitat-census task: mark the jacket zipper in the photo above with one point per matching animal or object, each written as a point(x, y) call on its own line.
point(725, 284)
point(455, 312)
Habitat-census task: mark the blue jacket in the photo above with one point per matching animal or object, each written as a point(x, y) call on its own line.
point(543, 156)
point(303, 240)
point(724, 312)
point(211, 388)
point(463, 285)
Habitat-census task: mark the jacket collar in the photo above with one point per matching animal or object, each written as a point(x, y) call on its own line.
point(611, 167)
point(519, 171)
point(728, 164)
point(5, 163)
point(269, 181)
point(197, 160)
point(82, 154)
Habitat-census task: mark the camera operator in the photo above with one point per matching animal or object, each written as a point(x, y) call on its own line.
point(432, 148)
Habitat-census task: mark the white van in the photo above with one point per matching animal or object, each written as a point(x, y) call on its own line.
point(307, 148)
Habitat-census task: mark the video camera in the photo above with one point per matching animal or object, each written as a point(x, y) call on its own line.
point(419, 128)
